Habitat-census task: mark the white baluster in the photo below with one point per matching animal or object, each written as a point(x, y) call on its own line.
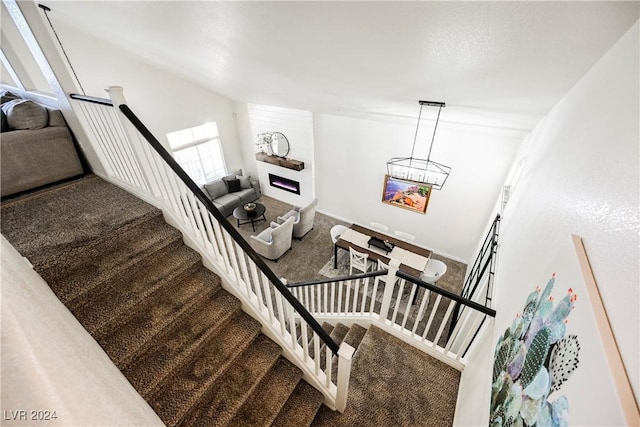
point(345, 353)
point(394, 265)
point(116, 93)
point(444, 322)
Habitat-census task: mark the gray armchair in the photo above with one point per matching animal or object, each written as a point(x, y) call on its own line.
point(303, 216)
point(273, 242)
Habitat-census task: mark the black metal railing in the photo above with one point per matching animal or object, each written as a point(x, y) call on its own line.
point(461, 304)
point(228, 227)
point(445, 293)
point(484, 264)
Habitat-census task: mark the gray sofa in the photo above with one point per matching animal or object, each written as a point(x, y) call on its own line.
point(232, 191)
point(36, 145)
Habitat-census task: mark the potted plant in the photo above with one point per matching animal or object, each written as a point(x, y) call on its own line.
point(263, 141)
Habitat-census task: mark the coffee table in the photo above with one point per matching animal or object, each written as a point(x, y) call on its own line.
point(250, 217)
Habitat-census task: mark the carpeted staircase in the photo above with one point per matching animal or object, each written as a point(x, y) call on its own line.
point(182, 341)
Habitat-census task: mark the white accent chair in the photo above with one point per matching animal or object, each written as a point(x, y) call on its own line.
point(359, 261)
point(405, 236)
point(433, 271)
point(274, 241)
point(336, 232)
point(304, 217)
point(379, 227)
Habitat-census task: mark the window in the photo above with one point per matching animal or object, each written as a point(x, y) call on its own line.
point(199, 152)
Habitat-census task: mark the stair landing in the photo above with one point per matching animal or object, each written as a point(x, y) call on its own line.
point(394, 384)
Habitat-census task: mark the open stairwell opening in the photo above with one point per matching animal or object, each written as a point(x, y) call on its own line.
point(181, 340)
point(196, 321)
point(206, 332)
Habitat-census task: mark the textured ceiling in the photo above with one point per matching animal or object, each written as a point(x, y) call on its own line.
point(517, 58)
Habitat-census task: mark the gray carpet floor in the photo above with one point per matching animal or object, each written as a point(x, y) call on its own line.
point(312, 257)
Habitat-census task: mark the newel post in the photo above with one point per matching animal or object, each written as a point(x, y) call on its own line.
point(345, 353)
point(116, 93)
point(389, 285)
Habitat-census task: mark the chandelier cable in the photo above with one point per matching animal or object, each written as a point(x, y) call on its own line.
point(433, 137)
point(415, 138)
point(48, 9)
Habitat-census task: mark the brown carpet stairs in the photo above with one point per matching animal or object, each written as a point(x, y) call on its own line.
point(182, 341)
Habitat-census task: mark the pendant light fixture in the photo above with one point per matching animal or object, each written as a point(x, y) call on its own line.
point(426, 170)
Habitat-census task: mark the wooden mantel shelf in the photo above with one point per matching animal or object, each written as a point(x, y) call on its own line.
point(296, 165)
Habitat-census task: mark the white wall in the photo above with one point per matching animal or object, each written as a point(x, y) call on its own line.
point(581, 177)
point(164, 102)
point(49, 362)
point(351, 155)
point(297, 126)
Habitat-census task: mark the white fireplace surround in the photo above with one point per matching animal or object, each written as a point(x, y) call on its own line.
point(297, 125)
point(304, 178)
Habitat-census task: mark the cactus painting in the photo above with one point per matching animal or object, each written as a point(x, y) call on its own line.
point(534, 358)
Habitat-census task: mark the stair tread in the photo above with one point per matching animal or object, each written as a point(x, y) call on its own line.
point(355, 335)
point(229, 392)
point(328, 327)
point(301, 407)
point(108, 300)
point(110, 256)
point(152, 315)
point(269, 397)
point(339, 332)
point(175, 344)
point(181, 389)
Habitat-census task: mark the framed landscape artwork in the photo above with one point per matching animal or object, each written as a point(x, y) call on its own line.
point(406, 194)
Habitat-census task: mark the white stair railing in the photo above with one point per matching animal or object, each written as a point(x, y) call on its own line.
point(134, 160)
point(412, 310)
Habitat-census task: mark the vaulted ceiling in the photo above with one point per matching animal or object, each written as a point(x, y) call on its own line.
point(372, 57)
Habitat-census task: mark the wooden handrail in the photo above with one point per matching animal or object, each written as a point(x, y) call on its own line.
point(92, 99)
point(337, 279)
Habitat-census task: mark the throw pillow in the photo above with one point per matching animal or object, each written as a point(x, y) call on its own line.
point(25, 114)
point(7, 96)
point(216, 189)
point(233, 175)
point(234, 185)
point(56, 118)
point(5, 124)
point(245, 181)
